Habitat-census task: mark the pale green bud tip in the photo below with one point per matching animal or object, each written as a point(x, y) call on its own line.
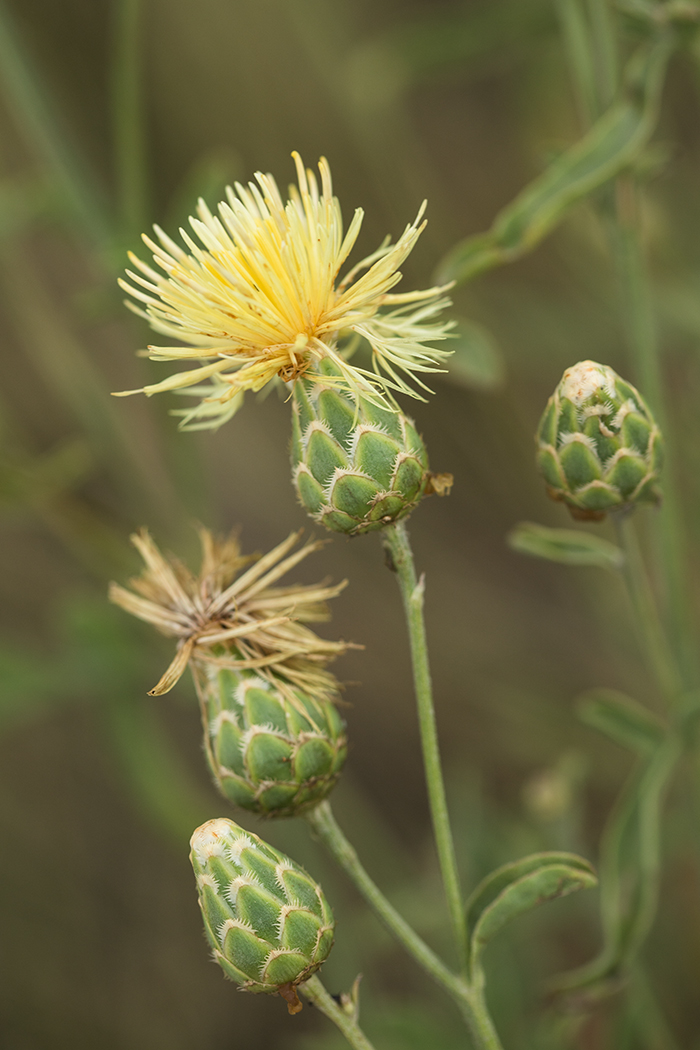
point(357, 466)
point(267, 921)
point(599, 447)
point(273, 750)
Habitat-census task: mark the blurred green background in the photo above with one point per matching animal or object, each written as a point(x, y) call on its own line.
point(114, 115)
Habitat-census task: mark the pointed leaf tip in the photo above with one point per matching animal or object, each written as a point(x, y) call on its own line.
point(518, 887)
point(567, 546)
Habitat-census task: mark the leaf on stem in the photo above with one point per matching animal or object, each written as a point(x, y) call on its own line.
point(612, 144)
point(568, 546)
point(518, 887)
point(621, 719)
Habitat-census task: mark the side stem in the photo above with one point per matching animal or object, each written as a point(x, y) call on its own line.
point(469, 999)
point(314, 991)
point(325, 826)
point(398, 546)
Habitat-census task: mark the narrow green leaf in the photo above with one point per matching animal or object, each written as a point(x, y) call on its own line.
point(476, 360)
point(518, 887)
point(611, 145)
point(629, 870)
point(621, 719)
point(568, 546)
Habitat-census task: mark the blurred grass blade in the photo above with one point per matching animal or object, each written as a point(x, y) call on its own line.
point(568, 546)
point(621, 719)
point(162, 788)
point(29, 102)
point(518, 887)
point(128, 118)
point(476, 360)
point(611, 145)
point(629, 873)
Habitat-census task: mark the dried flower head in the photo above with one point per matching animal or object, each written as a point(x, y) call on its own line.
point(232, 620)
point(261, 299)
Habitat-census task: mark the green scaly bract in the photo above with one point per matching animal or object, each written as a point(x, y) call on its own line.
point(273, 750)
point(599, 447)
point(356, 468)
point(267, 921)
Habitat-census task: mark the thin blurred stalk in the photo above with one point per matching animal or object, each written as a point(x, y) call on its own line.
point(162, 788)
point(577, 44)
point(128, 118)
point(61, 361)
point(605, 61)
point(642, 335)
point(35, 117)
point(646, 1015)
point(652, 637)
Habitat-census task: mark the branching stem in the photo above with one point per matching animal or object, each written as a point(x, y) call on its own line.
point(469, 998)
point(314, 991)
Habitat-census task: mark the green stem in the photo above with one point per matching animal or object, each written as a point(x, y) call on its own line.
point(642, 336)
point(397, 544)
point(605, 47)
point(652, 638)
point(476, 1014)
point(314, 991)
point(469, 998)
point(324, 824)
point(578, 48)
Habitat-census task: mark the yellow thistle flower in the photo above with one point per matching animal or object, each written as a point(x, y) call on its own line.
point(262, 299)
point(232, 620)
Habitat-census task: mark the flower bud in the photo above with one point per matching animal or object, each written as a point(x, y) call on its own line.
point(599, 447)
point(267, 921)
point(273, 750)
point(356, 467)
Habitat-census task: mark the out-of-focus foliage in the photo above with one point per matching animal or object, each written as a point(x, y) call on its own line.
point(464, 102)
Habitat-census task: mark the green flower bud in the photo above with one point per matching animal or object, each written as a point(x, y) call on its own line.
point(599, 447)
point(273, 750)
point(356, 467)
point(267, 921)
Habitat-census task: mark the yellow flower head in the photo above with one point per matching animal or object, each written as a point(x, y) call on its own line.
point(261, 298)
point(233, 620)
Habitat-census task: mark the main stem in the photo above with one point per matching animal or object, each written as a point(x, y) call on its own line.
point(652, 637)
point(398, 546)
point(642, 335)
point(314, 991)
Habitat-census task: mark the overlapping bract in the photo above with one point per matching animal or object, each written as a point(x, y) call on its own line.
point(599, 447)
point(272, 750)
point(356, 468)
point(268, 923)
point(261, 298)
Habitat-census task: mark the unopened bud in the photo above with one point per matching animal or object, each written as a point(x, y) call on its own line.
point(599, 447)
point(267, 921)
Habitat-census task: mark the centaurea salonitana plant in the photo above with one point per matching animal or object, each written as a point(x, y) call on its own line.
point(262, 298)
